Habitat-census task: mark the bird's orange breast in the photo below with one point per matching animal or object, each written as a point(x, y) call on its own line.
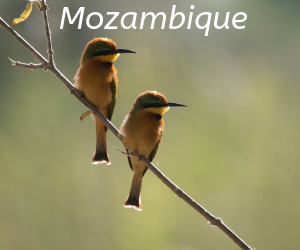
point(141, 132)
point(93, 78)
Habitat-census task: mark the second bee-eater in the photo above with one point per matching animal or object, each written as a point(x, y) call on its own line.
point(142, 131)
point(97, 79)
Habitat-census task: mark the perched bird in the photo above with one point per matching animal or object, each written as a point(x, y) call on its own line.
point(142, 131)
point(97, 79)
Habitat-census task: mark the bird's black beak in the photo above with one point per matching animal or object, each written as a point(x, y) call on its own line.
point(173, 104)
point(105, 52)
point(124, 51)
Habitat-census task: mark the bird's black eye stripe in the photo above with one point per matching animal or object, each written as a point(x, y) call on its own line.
point(103, 52)
point(154, 105)
point(151, 105)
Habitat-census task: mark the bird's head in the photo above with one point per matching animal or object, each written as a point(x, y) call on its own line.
point(102, 49)
point(154, 102)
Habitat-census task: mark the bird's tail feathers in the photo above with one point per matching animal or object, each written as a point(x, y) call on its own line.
point(101, 155)
point(134, 197)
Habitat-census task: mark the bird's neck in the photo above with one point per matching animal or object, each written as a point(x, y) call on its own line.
point(107, 64)
point(97, 71)
point(95, 63)
point(148, 118)
point(157, 116)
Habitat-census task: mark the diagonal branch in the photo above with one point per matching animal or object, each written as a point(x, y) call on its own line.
point(50, 65)
point(218, 222)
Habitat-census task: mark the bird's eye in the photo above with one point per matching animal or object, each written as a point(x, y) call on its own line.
point(151, 104)
point(102, 52)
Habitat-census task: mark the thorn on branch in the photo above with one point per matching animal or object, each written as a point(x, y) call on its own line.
point(44, 6)
point(72, 91)
point(215, 221)
point(178, 192)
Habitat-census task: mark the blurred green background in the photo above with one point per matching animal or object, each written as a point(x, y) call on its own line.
point(235, 149)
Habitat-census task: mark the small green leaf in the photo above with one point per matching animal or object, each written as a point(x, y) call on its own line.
point(24, 15)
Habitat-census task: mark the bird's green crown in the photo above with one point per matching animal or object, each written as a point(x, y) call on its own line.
point(153, 102)
point(150, 99)
point(99, 45)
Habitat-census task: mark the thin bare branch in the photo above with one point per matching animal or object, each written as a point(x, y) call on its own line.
point(32, 66)
point(44, 9)
point(51, 66)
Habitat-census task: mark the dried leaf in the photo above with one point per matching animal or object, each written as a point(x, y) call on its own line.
point(38, 4)
point(24, 15)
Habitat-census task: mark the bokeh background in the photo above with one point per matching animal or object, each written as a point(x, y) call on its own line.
point(235, 149)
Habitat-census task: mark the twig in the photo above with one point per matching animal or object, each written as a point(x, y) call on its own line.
point(51, 66)
point(44, 9)
point(28, 65)
point(126, 153)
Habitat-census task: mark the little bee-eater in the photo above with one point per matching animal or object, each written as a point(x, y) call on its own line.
point(97, 79)
point(142, 131)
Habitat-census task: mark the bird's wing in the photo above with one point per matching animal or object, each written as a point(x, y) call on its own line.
point(111, 106)
point(150, 158)
point(129, 161)
point(152, 154)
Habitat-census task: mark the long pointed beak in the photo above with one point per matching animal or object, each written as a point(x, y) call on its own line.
point(124, 51)
point(173, 104)
point(112, 52)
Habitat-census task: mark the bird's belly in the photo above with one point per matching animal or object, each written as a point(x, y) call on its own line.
point(142, 143)
point(95, 82)
point(99, 94)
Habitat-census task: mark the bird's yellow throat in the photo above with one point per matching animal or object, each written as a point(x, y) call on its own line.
point(108, 58)
point(159, 111)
